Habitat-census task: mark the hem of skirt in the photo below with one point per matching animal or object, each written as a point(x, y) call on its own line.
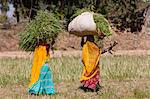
point(37, 93)
point(31, 90)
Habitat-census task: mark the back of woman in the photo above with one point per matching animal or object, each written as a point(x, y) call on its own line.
point(41, 76)
point(90, 77)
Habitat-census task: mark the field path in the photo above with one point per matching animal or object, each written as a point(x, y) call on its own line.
point(59, 53)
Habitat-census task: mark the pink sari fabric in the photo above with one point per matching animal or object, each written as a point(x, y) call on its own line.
point(93, 82)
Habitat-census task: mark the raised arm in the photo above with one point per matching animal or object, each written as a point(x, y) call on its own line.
point(110, 48)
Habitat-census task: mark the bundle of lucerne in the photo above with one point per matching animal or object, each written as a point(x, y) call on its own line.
point(89, 23)
point(44, 27)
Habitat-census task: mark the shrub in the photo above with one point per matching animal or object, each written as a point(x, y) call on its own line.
point(3, 18)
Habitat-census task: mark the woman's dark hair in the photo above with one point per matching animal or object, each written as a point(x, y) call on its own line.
point(88, 38)
point(47, 48)
point(41, 41)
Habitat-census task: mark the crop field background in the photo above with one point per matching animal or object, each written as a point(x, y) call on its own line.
point(122, 77)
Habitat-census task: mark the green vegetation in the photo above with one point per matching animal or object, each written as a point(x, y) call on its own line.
point(44, 27)
point(102, 24)
point(99, 42)
point(141, 94)
point(123, 14)
point(123, 77)
point(3, 19)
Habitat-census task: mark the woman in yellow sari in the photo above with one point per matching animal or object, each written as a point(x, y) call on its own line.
point(41, 76)
point(90, 77)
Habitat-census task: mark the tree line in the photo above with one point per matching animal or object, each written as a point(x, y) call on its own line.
point(123, 14)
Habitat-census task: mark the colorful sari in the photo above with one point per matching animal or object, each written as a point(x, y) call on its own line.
point(91, 73)
point(41, 76)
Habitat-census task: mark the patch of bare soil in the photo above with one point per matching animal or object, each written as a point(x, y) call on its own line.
point(129, 41)
point(9, 40)
point(66, 41)
point(71, 53)
point(126, 41)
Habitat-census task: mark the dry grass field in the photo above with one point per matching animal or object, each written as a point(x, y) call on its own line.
point(122, 77)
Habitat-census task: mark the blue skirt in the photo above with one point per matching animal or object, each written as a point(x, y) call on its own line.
point(44, 85)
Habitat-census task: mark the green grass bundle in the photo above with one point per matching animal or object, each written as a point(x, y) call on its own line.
point(44, 27)
point(101, 22)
